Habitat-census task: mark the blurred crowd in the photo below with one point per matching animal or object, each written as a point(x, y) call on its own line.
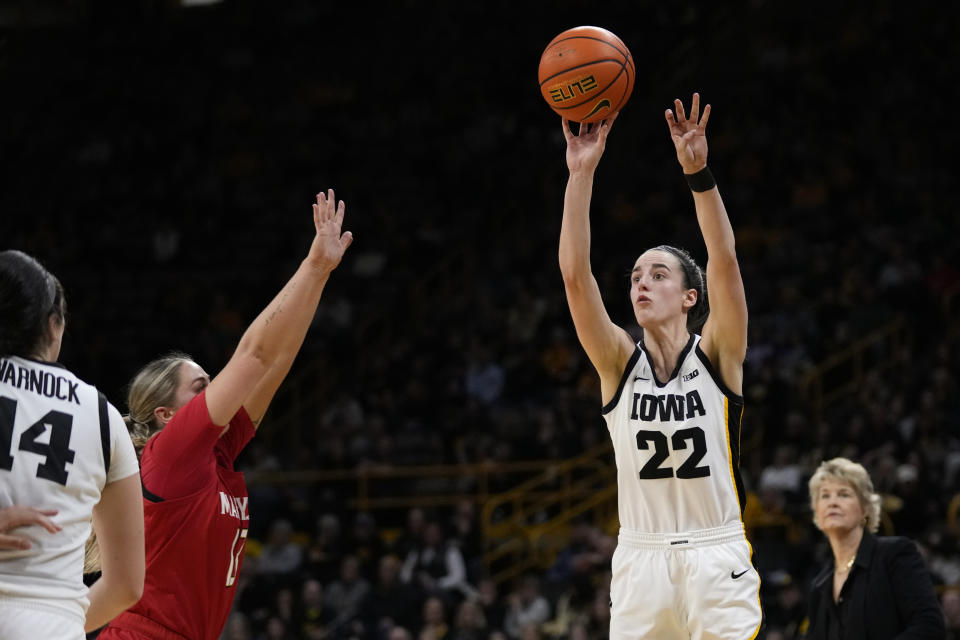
point(161, 161)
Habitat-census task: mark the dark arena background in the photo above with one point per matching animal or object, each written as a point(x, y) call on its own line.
point(161, 159)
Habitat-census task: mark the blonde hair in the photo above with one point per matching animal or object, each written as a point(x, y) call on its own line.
point(155, 385)
point(854, 474)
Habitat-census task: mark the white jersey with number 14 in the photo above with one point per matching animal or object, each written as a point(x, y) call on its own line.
point(61, 443)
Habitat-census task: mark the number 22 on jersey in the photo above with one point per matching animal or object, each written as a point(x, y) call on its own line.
point(661, 451)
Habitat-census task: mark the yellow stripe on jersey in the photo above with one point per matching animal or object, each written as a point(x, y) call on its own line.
point(733, 478)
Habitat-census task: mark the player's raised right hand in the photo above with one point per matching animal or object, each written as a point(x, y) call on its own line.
point(585, 149)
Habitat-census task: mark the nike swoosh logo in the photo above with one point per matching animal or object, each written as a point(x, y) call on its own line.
point(639, 378)
point(737, 575)
point(600, 105)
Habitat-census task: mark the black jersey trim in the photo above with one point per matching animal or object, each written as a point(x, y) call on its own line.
point(724, 389)
point(152, 497)
point(734, 431)
point(104, 430)
point(676, 369)
point(631, 363)
point(44, 362)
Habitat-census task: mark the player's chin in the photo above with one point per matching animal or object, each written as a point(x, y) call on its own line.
point(644, 315)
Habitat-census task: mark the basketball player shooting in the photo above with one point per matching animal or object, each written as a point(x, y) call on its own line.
point(672, 403)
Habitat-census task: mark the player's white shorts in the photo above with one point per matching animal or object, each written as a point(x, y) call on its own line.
point(699, 585)
point(26, 619)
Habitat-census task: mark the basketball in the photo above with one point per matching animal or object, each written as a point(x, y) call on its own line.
point(586, 74)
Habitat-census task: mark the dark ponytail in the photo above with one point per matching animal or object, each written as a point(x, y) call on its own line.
point(29, 294)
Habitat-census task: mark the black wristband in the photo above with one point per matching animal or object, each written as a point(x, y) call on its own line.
point(701, 180)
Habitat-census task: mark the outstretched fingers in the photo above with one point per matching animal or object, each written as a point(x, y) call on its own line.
point(676, 132)
point(706, 116)
point(695, 108)
point(606, 125)
point(681, 114)
point(327, 208)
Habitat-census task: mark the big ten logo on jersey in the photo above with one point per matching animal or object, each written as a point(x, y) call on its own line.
point(234, 507)
point(574, 89)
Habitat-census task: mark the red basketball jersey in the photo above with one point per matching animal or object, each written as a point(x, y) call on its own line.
point(195, 507)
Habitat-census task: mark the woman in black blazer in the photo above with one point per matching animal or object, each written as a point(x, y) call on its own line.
point(876, 588)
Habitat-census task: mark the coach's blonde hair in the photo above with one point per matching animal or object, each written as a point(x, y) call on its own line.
point(854, 474)
point(153, 386)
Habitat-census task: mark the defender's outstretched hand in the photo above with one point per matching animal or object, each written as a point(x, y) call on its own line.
point(689, 134)
point(584, 150)
point(329, 244)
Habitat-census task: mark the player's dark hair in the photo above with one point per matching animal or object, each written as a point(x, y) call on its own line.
point(155, 385)
point(693, 279)
point(29, 295)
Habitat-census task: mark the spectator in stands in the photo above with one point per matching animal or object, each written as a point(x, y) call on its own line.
point(346, 595)
point(437, 567)
point(312, 616)
point(326, 551)
point(526, 606)
point(390, 602)
point(434, 618)
point(469, 623)
point(493, 606)
point(467, 536)
point(237, 627)
point(399, 633)
point(412, 535)
point(950, 602)
point(365, 545)
point(281, 554)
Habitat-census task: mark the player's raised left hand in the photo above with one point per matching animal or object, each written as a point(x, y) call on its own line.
point(329, 244)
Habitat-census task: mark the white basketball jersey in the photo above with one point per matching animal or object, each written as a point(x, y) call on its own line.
point(61, 442)
point(677, 446)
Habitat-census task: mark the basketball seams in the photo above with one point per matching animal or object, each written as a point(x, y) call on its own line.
point(626, 91)
point(580, 66)
point(614, 46)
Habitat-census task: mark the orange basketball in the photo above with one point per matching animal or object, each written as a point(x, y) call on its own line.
point(586, 74)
